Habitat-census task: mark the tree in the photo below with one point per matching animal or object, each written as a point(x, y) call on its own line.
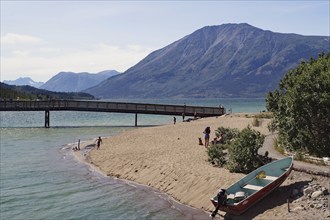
point(243, 151)
point(301, 107)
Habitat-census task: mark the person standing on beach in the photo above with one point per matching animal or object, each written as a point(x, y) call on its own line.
point(184, 110)
point(174, 120)
point(207, 132)
point(98, 142)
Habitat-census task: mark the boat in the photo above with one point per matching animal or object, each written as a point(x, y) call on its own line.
point(255, 186)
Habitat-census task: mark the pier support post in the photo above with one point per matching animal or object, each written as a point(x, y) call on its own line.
point(47, 119)
point(135, 119)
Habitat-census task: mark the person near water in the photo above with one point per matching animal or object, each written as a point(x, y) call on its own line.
point(174, 120)
point(98, 142)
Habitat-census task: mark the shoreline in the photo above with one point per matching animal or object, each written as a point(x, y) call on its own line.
point(168, 159)
point(142, 156)
point(188, 211)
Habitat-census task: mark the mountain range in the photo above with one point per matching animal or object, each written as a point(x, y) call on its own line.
point(229, 60)
point(76, 82)
point(26, 92)
point(22, 81)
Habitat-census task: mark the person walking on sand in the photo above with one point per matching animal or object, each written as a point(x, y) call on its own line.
point(98, 142)
point(174, 120)
point(207, 132)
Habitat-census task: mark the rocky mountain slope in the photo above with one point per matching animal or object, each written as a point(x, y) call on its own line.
point(229, 60)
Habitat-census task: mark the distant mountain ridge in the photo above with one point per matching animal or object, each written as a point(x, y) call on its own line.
point(229, 60)
point(76, 82)
point(13, 92)
point(22, 81)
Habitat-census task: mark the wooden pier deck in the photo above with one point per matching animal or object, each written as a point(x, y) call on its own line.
point(104, 106)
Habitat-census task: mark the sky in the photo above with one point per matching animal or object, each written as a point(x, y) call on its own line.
point(42, 38)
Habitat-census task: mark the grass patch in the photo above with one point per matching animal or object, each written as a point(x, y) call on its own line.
point(256, 122)
point(265, 115)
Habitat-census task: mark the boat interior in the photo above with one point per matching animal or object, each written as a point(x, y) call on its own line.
point(252, 184)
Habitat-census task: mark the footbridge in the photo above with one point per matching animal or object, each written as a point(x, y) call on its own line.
point(104, 106)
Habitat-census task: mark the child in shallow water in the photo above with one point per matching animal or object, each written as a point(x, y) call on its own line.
point(98, 142)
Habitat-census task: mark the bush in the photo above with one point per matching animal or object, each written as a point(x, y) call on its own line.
point(256, 122)
point(216, 155)
point(228, 134)
point(243, 152)
point(216, 151)
point(299, 155)
point(272, 126)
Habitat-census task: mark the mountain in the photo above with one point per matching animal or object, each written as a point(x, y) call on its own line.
point(32, 93)
point(75, 82)
point(22, 81)
point(229, 60)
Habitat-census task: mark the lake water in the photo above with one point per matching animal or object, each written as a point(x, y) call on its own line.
point(40, 179)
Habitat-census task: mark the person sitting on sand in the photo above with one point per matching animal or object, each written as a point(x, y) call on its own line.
point(98, 143)
point(219, 140)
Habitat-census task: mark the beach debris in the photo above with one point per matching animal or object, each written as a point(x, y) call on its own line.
point(316, 194)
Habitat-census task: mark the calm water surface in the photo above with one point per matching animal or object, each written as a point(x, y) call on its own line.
point(40, 179)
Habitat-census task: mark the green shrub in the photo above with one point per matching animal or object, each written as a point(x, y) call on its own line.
point(228, 134)
point(299, 155)
point(256, 122)
point(243, 152)
point(216, 155)
point(272, 125)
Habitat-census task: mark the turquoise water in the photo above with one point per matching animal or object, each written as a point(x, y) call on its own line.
point(40, 179)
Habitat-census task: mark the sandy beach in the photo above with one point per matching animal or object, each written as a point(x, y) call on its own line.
point(170, 159)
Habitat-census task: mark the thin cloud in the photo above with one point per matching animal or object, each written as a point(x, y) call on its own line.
point(13, 39)
point(43, 63)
